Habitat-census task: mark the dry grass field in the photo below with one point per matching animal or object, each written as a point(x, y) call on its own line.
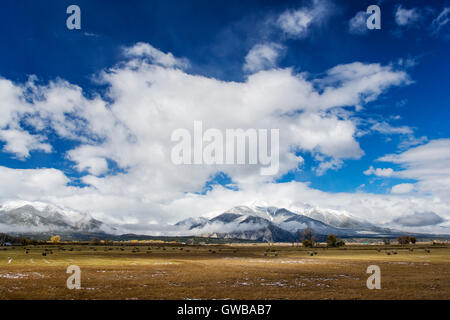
point(224, 272)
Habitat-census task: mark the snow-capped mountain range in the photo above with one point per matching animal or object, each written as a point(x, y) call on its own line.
point(257, 221)
point(268, 223)
point(26, 216)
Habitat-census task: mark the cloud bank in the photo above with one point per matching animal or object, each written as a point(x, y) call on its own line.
point(122, 138)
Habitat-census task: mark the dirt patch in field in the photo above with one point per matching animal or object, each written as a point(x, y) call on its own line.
point(245, 274)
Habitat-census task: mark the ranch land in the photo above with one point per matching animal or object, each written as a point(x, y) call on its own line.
point(241, 271)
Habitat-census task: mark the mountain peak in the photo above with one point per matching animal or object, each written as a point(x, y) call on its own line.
point(29, 216)
point(259, 203)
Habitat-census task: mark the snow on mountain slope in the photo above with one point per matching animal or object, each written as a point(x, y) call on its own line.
point(38, 216)
point(257, 221)
point(335, 218)
point(273, 214)
point(190, 223)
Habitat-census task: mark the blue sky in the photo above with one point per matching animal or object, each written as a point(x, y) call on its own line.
point(216, 39)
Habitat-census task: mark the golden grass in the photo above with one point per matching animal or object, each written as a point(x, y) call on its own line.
point(232, 272)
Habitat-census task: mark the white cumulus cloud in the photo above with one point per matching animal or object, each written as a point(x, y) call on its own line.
point(428, 163)
point(407, 17)
point(149, 96)
point(402, 188)
point(379, 172)
point(358, 24)
point(297, 23)
point(262, 56)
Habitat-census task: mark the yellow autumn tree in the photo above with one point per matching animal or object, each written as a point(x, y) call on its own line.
point(55, 239)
